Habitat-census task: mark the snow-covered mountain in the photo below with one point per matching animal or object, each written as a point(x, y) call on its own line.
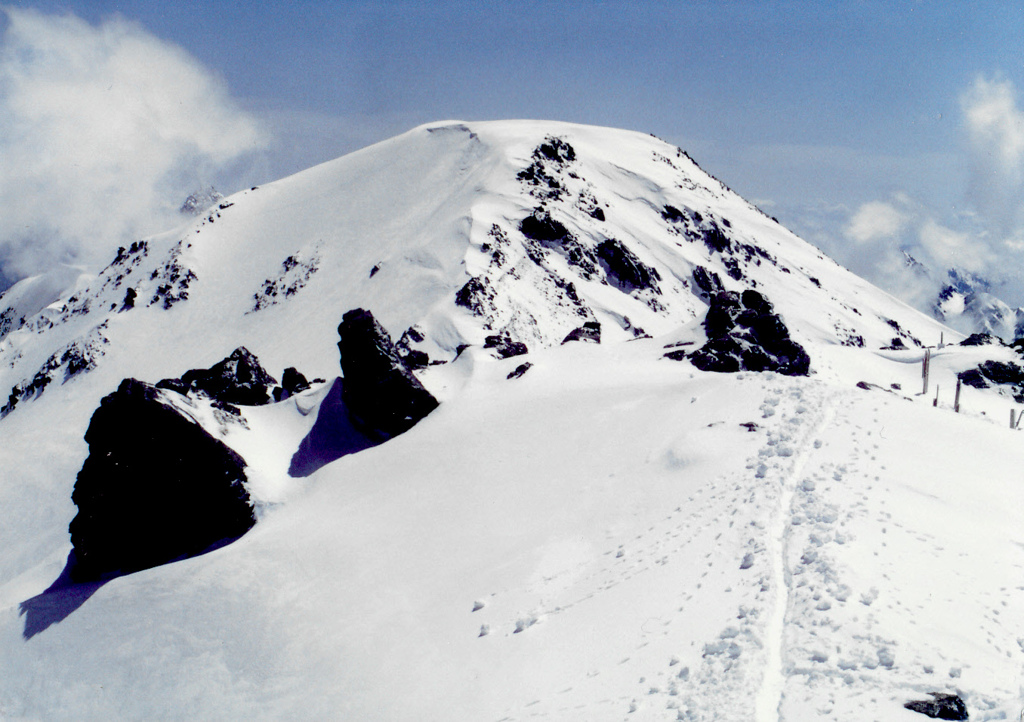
point(966, 302)
point(598, 520)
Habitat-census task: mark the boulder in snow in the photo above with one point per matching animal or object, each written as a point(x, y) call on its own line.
point(745, 334)
point(155, 487)
point(380, 393)
point(504, 346)
point(941, 706)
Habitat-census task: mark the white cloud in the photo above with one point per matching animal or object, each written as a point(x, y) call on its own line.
point(995, 127)
point(875, 221)
point(954, 249)
point(103, 131)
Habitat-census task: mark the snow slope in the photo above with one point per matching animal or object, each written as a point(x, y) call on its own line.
point(613, 535)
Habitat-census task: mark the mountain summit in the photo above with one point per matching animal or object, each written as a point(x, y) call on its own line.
point(493, 421)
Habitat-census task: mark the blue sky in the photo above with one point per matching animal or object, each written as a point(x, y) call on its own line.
point(814, 110)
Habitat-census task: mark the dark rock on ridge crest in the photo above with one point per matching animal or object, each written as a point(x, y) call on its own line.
point(156, 487)
point(238, 379)
point(745, 334)
point(380, 393)
point(982, 339)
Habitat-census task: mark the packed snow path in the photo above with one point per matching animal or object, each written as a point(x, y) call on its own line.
point(769, 697)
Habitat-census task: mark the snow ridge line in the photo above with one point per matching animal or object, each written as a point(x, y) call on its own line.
point(769, 696)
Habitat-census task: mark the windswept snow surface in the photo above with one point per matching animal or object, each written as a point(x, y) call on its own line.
point(614, 535)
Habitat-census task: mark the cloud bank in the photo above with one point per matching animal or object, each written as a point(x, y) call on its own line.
point(103, 132)
point(995, 129)
point(985, 237)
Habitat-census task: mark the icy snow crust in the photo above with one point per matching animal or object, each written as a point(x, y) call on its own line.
point(613, 535)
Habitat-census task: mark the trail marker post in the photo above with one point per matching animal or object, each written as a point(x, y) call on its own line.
point(956, 400)
point(925, 368)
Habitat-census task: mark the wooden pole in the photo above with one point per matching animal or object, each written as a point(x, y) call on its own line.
point(956, 401)
point(935, 401)
point(925, 368)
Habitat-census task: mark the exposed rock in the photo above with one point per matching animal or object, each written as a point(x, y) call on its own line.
point(540, 226)
point(129, 299)
point(504, 346)
point(590, 332)
point(942, 706)
point(413, 358)
point(622, 264)
point(996, 373)
point(81, 355)
point(292, 382)
point(673, 214)
point(557, 150)
point(744, 333)
point(155, 487)
point(238, 379)
point(982, 339)
point(581, 257)
point(380, 393)
point(476, 296)
point(707, 281)
point(519, 370)
point(715, 239)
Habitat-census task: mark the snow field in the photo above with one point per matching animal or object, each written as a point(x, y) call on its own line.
point(612, 536)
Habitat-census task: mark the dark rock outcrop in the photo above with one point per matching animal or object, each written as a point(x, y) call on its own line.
point(996, 373)
point(590, 332)
point(504, 346)
point(155, 487)
point(621, 264)
point(707, 281)
point(292, 382)
point(238, 379)
point(476, 296)
point(982, 339)
point(519, 370)
point(745, 334)
point(382, 396)
point(941, 706)
point(540, 226)
point(413, 358)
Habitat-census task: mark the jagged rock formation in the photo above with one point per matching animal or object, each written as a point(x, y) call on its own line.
point(155, 487)
point(745, 334)
point(238, 379)
point(380, 393)
point(942, 706)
